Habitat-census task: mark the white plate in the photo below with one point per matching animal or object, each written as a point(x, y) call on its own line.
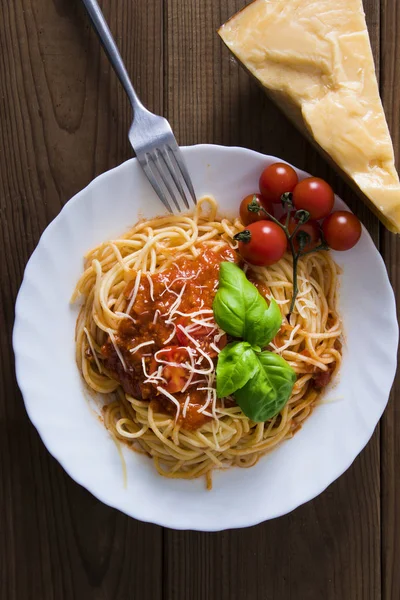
point(57, 404)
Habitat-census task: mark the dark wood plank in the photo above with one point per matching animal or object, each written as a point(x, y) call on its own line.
point(63, 119)
point(330, 547)
point(390, 440)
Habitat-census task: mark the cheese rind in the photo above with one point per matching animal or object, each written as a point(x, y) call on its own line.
point(315, 59)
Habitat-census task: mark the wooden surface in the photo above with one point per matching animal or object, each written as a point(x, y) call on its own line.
point(64, 120)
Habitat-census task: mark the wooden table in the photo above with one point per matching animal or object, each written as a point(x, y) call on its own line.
point(63, 120)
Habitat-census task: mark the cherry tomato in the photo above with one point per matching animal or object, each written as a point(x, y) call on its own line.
point(176, 378)
point(314, 195)
point(311, 227)
point(200, 334)
point(174, 375)
point(277, 179)
point(342, 230)
point(266, 243)
point(248, 216)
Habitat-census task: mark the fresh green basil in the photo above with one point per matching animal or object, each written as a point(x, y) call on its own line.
point(241, 311)
point(261, 382)
point(266, 393)
point(237, 363)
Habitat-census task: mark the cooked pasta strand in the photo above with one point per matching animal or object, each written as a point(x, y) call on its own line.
point(309, 341)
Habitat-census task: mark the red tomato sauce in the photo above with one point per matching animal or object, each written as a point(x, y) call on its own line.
point(262, 288)
point(200, 278)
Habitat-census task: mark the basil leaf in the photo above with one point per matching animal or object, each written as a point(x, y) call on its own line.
point(241, 311)
point(265, 394)
point(263, 323)
point(229, 304)
point(237, 363)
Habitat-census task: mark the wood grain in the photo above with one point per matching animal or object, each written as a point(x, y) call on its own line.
point(323, 549)
point(63, 120)
point(390, 441)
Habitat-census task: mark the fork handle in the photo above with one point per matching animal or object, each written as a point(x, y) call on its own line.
point(103, 31)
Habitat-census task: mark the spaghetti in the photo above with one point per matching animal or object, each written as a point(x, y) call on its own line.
point(147, 339)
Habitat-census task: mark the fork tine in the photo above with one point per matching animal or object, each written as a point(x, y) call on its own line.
point(176, 178)
point(152, 179)
point(176, 153)
point(155, 157)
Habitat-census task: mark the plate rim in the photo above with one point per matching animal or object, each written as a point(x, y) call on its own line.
point(17, 338)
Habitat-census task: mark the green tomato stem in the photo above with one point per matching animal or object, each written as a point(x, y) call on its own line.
point(285, 229)
point(289, 212)
point(296, 229)
point(243, 236)
point(295, 261)
point(290, 237)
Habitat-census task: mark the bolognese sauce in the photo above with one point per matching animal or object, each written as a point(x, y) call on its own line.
point(171, 325)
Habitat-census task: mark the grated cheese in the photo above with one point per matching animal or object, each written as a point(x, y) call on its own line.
point(162, 350)
point(168, 287)
point(205, 406)
point(205, 319)
point(203, 311)
point(168, 290)
point(170, 397)
point(198, 381)
point(215, 348)
point(196, 325)
point(188, 382)
point(89, 339)
point(196, 343)
point(280, 302)
point(185, 365)
point(117, 350)
point(147, 375)
point(171, 337)
point(177, 302)
point(126, 316)
point(185, 406)
point(219, 335)
point(156, 377)
point(136, 348)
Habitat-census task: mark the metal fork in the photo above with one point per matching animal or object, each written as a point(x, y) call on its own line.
point(150, 135)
